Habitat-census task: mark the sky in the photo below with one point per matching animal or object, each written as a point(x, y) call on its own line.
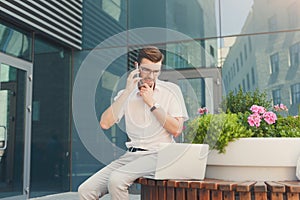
point(233, 15)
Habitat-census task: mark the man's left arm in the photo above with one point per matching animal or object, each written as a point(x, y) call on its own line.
point(173, 125)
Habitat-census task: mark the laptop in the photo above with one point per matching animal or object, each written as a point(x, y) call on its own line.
point(181, 161)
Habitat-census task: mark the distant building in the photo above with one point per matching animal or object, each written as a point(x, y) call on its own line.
point(266, 56)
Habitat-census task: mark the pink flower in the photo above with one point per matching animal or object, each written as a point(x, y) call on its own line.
point(259, 113)
point(276, 107)
point(280, 107)
point(283, 107)
point(254, 119)
point(270, 117)
point(258, 109)
point(202, 111)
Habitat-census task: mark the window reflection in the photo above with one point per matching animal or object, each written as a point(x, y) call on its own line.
point(295, 55)
point(112, 8)
point(295, 89)
point(15, 43)
point(276, 96)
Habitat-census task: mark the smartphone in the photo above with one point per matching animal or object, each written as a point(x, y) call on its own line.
point(140, 84)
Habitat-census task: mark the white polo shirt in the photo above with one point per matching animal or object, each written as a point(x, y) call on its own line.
point(142, 127)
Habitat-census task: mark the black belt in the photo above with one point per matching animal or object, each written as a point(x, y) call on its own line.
point(133, 149)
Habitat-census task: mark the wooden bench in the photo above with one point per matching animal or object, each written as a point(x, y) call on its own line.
point(212, 189)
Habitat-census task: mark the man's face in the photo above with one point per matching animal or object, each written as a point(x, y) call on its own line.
point(149, 71)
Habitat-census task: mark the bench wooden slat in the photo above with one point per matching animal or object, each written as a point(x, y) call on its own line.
point(210, 184)
point(292, 196)
point(171, 193)
point(216, 195)
point(162, 189)
point(228, 195)
point(143, 181)
point(261, 196)
point(180, 193)
point(161, 183)
point(172, 183)
point(227, 186)
point(260, 187)
point(204, 194)
point(151, 182)
point(211, 189)
point(291, 186)
point(192, 193)
point(245, 186)
point(276, 190)
point(245, 189)
point(275, 186)
point(292, 189)
point(197, 184)
point(245, 195)
point(260, 191)
point(184, 184)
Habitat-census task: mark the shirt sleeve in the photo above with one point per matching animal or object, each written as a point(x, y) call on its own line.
point(177, 105)
point(121, 113)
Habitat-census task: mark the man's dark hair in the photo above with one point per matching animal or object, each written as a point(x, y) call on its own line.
point(151, 53)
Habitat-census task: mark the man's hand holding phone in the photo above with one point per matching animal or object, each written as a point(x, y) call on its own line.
point(133, 79)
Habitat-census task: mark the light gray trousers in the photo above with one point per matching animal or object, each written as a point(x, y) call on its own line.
point(116, 177)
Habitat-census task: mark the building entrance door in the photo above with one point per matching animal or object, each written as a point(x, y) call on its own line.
point(15, 127)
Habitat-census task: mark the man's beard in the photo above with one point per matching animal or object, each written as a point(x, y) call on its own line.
point(149, 81)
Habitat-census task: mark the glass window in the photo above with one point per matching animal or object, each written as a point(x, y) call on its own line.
point(276, 97)
point(295, 90)
point(250, 44)
point(198, 85)
point(241, 58)
point(112, 8)
point(295, 55)
point(50, 159)
point(237, 69)
point(253, 76)
point(15, 42)
point(245, 51)
point(237, 63)
point(191, 54)
point(212, 51)
point(274, 59)
point(101, 20)
point(248, 82)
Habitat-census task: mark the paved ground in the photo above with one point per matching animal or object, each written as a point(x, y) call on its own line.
point(74, 196)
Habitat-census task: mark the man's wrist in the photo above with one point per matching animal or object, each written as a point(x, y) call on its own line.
point(155, 106)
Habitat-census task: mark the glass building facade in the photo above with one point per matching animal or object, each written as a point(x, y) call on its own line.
point(59, 73)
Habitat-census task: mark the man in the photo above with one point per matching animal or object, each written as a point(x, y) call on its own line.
point(154, 112)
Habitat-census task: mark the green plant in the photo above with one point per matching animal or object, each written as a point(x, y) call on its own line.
point(242, 101)
point(218, 130)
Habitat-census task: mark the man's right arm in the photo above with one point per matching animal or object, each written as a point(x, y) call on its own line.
point(110, 115)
